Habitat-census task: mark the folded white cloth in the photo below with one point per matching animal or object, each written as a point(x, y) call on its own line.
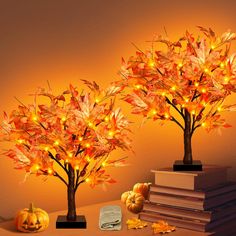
point(110, 218)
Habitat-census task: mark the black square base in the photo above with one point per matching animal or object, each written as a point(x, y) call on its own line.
point(63, 223)
point(180, 166)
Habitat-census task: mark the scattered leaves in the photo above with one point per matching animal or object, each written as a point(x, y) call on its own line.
point(135, 223)
point(162, 227)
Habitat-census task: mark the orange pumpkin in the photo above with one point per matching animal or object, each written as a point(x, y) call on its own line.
point(31, 220)
point(142, 188)
point(125, 195)
point(134, 202)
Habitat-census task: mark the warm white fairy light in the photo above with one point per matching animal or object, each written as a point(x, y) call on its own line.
point(167, 116)
point(111, 133)
point(173, 88)
point(106, 118)
point(49, 171)
point(63, 118)
point(34, 118)
point(20, 141)
point(87, 145)
point(222, 65)
point(56, 143)
point(76, 167)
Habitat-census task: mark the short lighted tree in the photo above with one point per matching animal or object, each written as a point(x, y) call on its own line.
point(69, 136)
point(185, 81)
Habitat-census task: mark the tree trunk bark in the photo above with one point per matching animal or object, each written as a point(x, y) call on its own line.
point(71, 215)
point(187, 139)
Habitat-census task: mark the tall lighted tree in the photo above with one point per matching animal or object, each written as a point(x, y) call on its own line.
point(69, 136)
point(186, 82)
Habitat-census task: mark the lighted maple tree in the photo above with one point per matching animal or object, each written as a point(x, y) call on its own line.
point(69, 136)
point(186, 81)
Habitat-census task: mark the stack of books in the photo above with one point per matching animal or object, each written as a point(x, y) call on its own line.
point(201, 201)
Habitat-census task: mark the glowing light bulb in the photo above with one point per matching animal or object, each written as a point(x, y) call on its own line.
point(76, 167)
point(196, 84)
point(163, 94)
point(153, 112)
point(180, 65)
point(56, 143)
point(111, 133)
point(226, 79)
point(151, 63)
point(186, 100)
point(87, 145)
point(90, 124)
point(97, 100)
point(203, 90)
point(167, 116)
point(204, 124)
point(213, 46)
point(35, 167)
point(63, 118)
point(87, 180)
point(50, 171)
point(173, 88)
point(138, 86)
point(206, 70)
point(34, 118)
point(80, 139)
point(222, 65)
point(106, 118)
point(20, 141)
point(70, 154)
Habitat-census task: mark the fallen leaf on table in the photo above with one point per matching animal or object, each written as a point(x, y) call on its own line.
point(162, 227)
point(135, 223)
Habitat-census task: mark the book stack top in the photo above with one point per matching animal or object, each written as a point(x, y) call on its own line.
point(192, 180)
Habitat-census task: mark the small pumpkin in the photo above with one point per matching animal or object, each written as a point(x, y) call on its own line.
point(142, 188)
point(125, 195)
point(31, 220)
point(134, 202)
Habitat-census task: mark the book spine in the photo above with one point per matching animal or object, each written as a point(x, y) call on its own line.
point(175, 201)
point(176, 191)
point(204, 216)
point(176, 222)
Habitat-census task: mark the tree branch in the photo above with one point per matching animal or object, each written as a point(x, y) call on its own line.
point(177, 122)
point(58, 176)
point(169, 102)
point(58, 162)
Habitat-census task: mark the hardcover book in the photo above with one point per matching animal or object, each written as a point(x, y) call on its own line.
point(210, 176)
point(191, 214)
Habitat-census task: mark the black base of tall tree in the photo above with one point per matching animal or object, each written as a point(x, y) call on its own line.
point(63, 223)
point(194, 166)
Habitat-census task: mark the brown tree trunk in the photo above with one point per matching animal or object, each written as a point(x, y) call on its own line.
point(71, 215)
point(187, 139)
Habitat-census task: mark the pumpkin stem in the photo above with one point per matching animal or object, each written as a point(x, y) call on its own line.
point(31, 208)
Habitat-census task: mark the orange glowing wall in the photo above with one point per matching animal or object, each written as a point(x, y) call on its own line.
point(64, 41)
